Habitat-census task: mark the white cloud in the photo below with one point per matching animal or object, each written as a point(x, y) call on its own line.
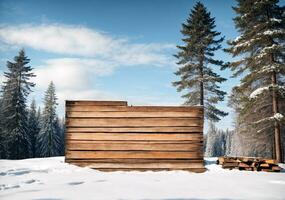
point(83, 41)
point(73, 77)
point(71, 72)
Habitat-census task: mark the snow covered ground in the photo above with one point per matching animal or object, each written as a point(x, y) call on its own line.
point(51, 178)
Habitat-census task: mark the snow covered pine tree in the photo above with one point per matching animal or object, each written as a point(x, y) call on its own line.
point(49, 137)
point(260, 48)
point(197, 77)
point(15, 91)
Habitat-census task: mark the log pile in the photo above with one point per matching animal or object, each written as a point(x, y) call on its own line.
point(249, 164)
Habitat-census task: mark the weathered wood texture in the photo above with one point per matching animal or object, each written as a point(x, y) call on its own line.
point(110, 135)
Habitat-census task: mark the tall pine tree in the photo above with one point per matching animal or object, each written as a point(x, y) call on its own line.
point(16, 88)
point(49, 136)
point(33, 127)
point(196, 59)
point(261, 56)
point(2, 136)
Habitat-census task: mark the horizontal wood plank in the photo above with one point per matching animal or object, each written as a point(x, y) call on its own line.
point(131, 154)
point(95, 103)
point(90, 108)
point(134, 160)
point(135, 141)
point(134, 146)
point(154, 129)
point(126, 114)
point(132, 122)
point(160, 165)
point(134, 136)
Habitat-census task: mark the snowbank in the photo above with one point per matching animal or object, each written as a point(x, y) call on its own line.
point(51, 178)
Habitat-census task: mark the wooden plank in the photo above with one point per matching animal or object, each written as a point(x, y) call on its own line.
point(264, 165)
point(89, 108)
point(134, 136)
point(134, 160)
point(131, 154)
point(270, 161)
point(244, 165)
point(126, 114)
point(95, 103)
point(142, 165)
point(230, 165)
point(220, 160)
point(135, 141)
point(187, 129)
point(134, 146)
point(132, 122)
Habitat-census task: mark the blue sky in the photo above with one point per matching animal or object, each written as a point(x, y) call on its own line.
point(119, 50)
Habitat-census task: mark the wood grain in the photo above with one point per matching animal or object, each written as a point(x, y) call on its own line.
point(132, 122)
point(161, 165)
point(131, 154)
point(177, 129)
point(134, 146)
point(134, 136)
point(127, 114)
point(96, 103)
point(134, 160)
point(90, 108)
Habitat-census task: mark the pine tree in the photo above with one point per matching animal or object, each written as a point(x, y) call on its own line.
point(261, 56)
point(61, 131)
point(37, 145)
point(33, 127)
point(196, 59)
point(49, 137)
point(2, 136)
point(15, 91)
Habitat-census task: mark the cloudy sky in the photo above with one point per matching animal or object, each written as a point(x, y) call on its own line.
point(111, 50)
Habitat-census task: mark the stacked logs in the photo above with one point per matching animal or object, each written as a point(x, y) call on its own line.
point(249, 164)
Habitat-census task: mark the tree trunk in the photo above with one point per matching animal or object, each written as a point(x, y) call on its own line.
point(277, 136)
point(201, 81)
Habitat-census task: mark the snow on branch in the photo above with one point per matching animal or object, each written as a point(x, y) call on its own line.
point(275, 20)
point(272, 32)
point(266, 50)
point(261, 90)
point(275, 67)
point(277, 117)
point(258, 92)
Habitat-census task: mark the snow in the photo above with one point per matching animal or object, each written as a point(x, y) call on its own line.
point(270, 68)
point(258, 91)
point(278, 116)
point(51, 178)
point(272, 32)
point(275, 20)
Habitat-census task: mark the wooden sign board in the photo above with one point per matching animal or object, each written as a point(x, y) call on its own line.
point(110, 136)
